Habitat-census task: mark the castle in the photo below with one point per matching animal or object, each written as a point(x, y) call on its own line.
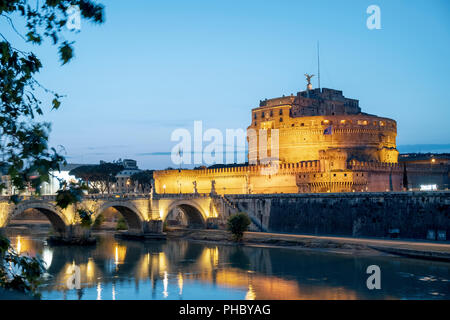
point(326, 144)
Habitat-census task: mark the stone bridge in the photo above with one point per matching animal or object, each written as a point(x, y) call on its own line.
point(414, 215)
point(144, 214)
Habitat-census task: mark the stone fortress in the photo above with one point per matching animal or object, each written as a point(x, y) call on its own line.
point(326, 144)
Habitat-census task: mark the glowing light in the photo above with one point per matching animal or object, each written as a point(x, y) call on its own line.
point(113, 291)
point(47, 256)
point(250, 293)
point(161, 213)
point(165, 283)
point(428, 187)
point(99, 291)
point(180, 283)
point(433, 160)
point(19, 245)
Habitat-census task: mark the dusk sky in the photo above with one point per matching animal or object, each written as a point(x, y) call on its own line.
point(155, 66)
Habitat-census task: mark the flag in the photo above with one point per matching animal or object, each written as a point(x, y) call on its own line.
point(328, 130)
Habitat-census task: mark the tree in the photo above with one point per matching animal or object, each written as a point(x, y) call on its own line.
point(98, 177)
point(143, 179)
point(19, 272)
point(23, 139)
point(237, 224)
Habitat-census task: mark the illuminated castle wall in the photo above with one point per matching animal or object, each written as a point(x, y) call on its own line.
point(359, 155)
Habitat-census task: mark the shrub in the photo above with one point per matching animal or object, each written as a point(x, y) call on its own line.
point(121, 224)
point(99, 221)
point(238, 224)
point(85, 217)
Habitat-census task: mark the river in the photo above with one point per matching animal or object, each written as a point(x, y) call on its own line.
point(178, 269)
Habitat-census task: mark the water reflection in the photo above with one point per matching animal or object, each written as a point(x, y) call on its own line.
point(116, 269)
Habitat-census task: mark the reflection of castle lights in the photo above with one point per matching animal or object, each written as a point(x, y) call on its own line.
point(113, 291)
point(215, 256)
point(250, 293)
point(180, 283)
point(90, 269)
point(162, 262)
point(99, 291)
point(47, 256)
point(165, 283)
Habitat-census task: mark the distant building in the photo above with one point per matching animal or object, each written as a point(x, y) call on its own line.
point(124, 183)
point(50, 188)
point(426, 171)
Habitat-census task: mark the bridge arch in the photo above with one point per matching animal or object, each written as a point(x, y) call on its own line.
point(194, 213)
point(57, 219)
point(130, 213)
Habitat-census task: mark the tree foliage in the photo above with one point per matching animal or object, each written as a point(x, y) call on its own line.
point(237, 224)
point(19, 272)
point(98, 177)
point(143, 179)
point(24, 140)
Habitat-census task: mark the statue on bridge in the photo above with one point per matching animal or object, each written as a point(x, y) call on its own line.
point(195, 187)
point(213, 187)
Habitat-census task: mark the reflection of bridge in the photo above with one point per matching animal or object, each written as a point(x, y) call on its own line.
point(144, 214)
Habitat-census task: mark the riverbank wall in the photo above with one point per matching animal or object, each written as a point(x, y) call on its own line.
point(411, 215)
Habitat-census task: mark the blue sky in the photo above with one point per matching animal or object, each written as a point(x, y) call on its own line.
point(155, 66)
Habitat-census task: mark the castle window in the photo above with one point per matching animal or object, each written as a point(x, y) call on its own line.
point(281, 112)
point(292, 125)
point(255, 123)
point(254, 116)
point(302, 124)
point(271, 113)
point(262, 114)
point(381, 123)
point(345, 174)
point(334, 174)
point(342, 121)
point(281, 119)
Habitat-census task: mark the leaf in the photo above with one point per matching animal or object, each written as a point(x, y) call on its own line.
point(66, 52)
point(56, 103)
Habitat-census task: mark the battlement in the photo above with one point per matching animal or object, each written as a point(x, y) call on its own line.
point(279, 168)
point(315, 102)
point(373, 166)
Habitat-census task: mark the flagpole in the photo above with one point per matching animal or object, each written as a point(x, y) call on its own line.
point(331, 133)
